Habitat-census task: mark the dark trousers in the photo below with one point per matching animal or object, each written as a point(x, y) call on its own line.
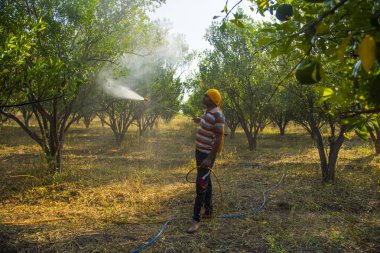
point(203, 188)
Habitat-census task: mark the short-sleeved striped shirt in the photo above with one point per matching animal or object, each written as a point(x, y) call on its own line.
point(211, 122)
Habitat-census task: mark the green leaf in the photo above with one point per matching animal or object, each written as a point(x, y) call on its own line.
point(262, 40)
point(375, 124)
point(342, 47)
point(263, 3)
point(347, 136)
point(325, 92)
point(321, 28)
point(331, 113)
point(271, 9)
point(240, 24)
point(276, 52)
point(4, 71)
point(304, 47)
point(223, 27)
point(350, 121)
point(370, 127)
point(362, 134)
point(238, 15)
point(314, 74)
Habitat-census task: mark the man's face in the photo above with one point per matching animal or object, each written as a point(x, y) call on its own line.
point(207, 100)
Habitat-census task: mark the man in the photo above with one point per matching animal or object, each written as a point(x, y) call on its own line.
point(209, 141)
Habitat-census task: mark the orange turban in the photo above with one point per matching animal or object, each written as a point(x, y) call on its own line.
point(215, 96)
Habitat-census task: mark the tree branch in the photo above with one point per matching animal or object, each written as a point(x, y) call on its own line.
point(33, 135)
point(30, 103)
point(351, 114)
point(328, 13)
point(101, 60)
point(228, 13)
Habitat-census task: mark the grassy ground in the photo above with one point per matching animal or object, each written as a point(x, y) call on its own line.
point(115, 200)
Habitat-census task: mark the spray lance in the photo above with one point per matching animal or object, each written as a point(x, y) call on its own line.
point(195, 118)
point(146, 99)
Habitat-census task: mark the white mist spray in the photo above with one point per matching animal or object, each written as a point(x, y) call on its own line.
point(141, 67)
point(117, 89)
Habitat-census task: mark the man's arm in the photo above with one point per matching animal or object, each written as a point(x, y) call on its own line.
point(196, 120)
point(208, 161)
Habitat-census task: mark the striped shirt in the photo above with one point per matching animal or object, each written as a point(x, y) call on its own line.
point(211, 122)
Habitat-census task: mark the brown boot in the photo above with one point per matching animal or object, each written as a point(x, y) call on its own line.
point(193, 227)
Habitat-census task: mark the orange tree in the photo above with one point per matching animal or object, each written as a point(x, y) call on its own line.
point(342, 33)
point(339, 43)
point(51, 49)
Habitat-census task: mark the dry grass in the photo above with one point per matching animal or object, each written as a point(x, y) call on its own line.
point(106, 198)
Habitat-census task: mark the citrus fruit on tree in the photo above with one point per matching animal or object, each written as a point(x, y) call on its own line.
point(284, 12)
point(309, 72)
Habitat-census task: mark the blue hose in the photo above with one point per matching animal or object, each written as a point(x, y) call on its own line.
point(256, 210)
point(163, 228)
point(225, 216)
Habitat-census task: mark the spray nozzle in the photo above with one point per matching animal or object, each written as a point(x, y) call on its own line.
point(146, 99)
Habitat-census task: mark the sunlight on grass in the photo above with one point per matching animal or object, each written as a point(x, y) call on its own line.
point(114, 199)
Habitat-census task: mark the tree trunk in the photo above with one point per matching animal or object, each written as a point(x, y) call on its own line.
point(377, 146)
point(232, 128)
point(322, 155)
point(328, 163)
point(251, 142)
point(250, 138)
point(232, 133)
point(120, 118)
point(26, 115)
point(335, 146)
point(255, 134)
point(119, 139)
point(375, 136)
point(58, 160)
point(54, 158)
point(232, 125)
point(87, 121)
point(141, 130)
point(333, 157)
point(119, 132)
point(282, 125)
point(102, 120)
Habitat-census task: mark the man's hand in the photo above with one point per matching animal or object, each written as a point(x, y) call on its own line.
point(206, 163)
point(196, 120)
